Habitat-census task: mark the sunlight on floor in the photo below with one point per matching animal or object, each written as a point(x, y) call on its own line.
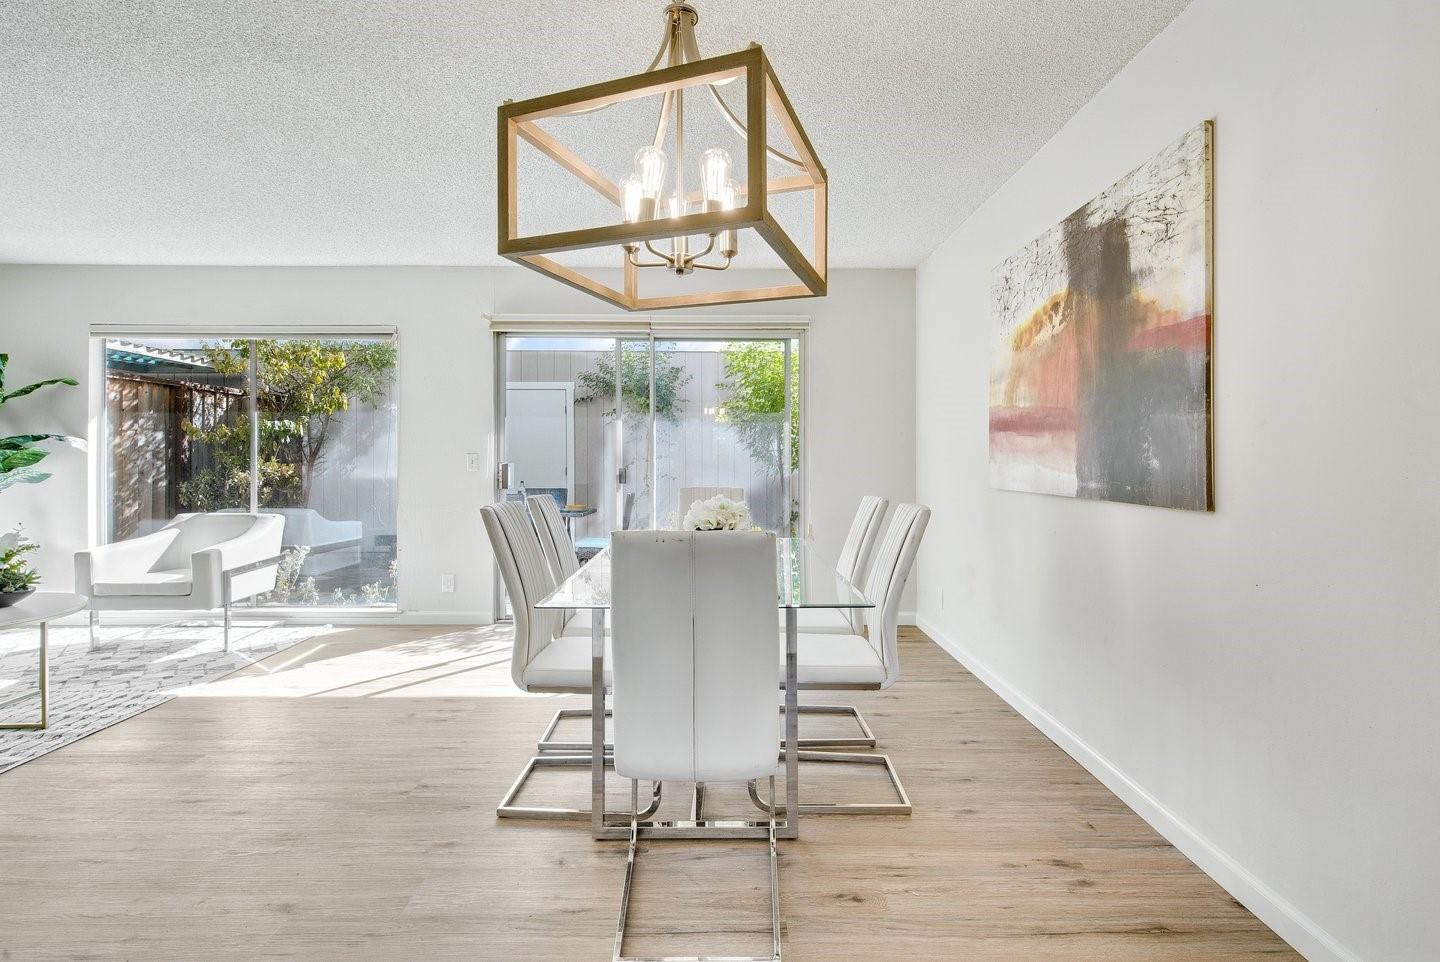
point(380, 662)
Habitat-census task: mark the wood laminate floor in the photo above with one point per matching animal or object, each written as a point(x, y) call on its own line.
point(337, 802)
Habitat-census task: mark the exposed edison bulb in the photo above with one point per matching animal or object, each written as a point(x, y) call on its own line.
point(714, 176)
point(632, 193)
point(729, 195)
point(650, 171)
point(729, 239)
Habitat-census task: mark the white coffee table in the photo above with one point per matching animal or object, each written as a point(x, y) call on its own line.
point(40, 609)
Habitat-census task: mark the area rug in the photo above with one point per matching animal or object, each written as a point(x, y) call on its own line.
point(131, 669)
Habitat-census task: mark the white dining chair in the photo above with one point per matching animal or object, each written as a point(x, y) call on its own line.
point(547, 655)
point(854, 555)
point(561, 559)
point(829, 661)
point(694, 683)
point(554, 536)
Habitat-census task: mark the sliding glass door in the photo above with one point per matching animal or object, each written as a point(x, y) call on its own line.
point(626, 432)
point(727, 422)
point(304, 427)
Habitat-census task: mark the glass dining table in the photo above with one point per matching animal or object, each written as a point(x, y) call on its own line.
point(804, 579)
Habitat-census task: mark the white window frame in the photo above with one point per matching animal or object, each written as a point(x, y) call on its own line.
point(99, 431)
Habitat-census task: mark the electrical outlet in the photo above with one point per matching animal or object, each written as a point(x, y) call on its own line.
point(447, 583)
point(473, 462)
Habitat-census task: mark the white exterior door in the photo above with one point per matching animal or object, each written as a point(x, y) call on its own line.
point(540, 434)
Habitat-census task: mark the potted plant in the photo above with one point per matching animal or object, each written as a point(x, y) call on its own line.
point(19, 455)
point(21, 452)
point(17, 578)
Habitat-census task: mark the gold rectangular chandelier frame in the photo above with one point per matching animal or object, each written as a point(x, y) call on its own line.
point(763, 93)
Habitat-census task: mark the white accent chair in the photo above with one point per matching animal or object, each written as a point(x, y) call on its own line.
point(828, 661)
point(694, 684)
point(196, 562)
point(548, 655)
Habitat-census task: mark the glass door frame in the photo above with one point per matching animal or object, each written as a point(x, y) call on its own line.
point(792, 331)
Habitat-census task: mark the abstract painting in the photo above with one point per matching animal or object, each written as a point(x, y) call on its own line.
point(1100, 381)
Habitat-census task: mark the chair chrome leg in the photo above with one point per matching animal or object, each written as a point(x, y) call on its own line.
point(902, 807)
point(699, 798)
point(94, 621)
point(774, 881)
point(866, 738)
point(227, 627)
point(508, 809)
point(548, 743)
point(629, 870)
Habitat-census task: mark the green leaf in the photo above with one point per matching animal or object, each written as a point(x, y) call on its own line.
point(32, 388)
point(23, 458)
point(15, 442)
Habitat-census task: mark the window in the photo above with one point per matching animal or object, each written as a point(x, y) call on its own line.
point(304, 427)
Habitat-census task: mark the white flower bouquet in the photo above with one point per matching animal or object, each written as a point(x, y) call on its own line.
point(717, 514)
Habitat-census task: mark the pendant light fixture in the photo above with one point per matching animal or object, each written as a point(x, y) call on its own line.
point(678, 211)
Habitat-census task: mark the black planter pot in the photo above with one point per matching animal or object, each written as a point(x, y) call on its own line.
point(8, 598)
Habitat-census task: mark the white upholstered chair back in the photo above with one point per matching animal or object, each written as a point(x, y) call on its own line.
point(554, 538)
point(856, 550)
point(527, 580)
point(890, 569)
point(201, 530)
point(695, 655)
point(861, 538)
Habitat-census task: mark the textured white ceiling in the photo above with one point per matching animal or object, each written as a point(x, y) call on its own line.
point(362, 131)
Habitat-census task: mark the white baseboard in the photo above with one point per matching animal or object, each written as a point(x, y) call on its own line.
point(907, 618)
point(1292, 925)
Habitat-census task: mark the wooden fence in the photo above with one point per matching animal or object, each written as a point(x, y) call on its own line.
point(150, 454)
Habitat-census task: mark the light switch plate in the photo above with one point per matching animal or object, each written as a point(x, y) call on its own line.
point(474, 462)
point(447, 583)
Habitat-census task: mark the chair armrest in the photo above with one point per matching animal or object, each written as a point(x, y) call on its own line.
point(120, 559)
point(256, 548)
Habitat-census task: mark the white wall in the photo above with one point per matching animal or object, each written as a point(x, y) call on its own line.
point(861, 361)
point(1263, 682)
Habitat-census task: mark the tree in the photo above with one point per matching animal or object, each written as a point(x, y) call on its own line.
point(755, 405)
point(599, 384)
point(20, 453)
point(304, 386)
